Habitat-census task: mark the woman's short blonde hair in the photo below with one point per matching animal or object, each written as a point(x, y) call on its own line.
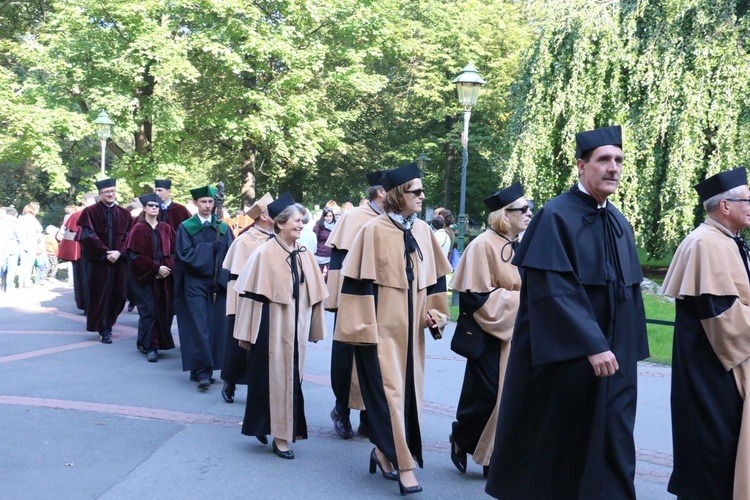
point(498, 222)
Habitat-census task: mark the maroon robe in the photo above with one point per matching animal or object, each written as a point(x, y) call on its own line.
point(174, 215)
point(70, 250)
point(107, 282)
point(148, 249)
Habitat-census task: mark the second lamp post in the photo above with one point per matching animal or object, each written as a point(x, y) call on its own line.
point(468, 84)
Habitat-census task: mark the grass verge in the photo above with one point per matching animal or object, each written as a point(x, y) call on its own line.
point(659, 336)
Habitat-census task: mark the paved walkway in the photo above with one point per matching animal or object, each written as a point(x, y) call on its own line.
point(85, 420)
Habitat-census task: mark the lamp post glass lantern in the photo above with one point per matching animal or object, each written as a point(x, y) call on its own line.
point(468, 84)
point(103, 128)
point(422, 161)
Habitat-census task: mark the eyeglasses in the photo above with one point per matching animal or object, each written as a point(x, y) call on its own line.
point(522, 209)
point(415, 192)
point(152, 205)
point(747, 200)
point(107, 191)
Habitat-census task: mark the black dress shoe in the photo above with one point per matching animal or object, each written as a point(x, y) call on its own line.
point(408, 490)
point(194, 376)
point(262, 439)
point(364, 426)
point(205, 383)
point(485, 471)
point(458, 456)
point(152, 356)
point(227, 392)
point(288, 454)
point(105, 337)
point(131, 307)
point(341, 425)
point(374, 462)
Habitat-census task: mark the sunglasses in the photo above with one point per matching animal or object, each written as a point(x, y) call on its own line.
point(746, 200)
point(415, 192)
point(522, 209)
point(152, 205)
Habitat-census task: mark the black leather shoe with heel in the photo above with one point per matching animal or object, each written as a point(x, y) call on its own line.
point(375, 464)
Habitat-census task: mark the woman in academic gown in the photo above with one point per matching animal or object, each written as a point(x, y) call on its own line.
point(150, 251)
point(281, 295)
point(394, 287)
point(488, 286)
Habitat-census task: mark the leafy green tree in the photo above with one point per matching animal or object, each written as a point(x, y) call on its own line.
point(674, 73)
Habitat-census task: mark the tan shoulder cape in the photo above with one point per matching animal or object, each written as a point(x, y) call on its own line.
point(374, 256)
point(264, 274)
point(482, 269)
point(346, 229)
point(708, 262)
point(237, 256)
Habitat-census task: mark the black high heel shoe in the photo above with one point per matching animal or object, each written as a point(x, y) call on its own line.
point(408, 490)
point(288, 454)
point(458, 456)
point(374, 462)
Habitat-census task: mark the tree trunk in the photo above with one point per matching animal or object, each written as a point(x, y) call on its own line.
point(248, 176)
point(448, 179)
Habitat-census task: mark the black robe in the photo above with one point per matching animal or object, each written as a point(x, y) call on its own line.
point(201, 319)
point(565, 433)
point(106, 285)
point(148, 249)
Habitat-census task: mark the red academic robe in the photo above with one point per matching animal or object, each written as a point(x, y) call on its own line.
point(148, 249)
point(107, 283)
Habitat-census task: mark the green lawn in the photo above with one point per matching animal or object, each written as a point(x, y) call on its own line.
point(659, 336)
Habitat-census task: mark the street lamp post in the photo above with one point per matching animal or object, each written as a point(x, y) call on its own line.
point(422, 161)
point(468, 84)
point(103, 125)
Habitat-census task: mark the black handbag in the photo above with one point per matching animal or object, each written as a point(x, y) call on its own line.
point(469, 340)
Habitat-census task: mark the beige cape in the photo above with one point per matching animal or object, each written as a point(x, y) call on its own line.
point(378, 256)
point(268, 274)
point(237, 256)
point(482, 270)
point(708, 262)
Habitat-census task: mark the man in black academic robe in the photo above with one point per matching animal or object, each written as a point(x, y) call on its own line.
point(566, 418)
point(201, 289)
point(102, 231)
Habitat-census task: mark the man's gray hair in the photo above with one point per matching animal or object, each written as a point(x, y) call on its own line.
point(712, 203)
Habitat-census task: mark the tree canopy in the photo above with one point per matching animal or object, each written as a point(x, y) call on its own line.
point(308, 95)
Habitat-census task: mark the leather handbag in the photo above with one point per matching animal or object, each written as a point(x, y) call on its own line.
point(469, 340)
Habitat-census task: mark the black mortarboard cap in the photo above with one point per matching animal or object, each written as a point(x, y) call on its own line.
point(400, 175)
point(203, 192)
point(279, 204)
point(153, 197)
point(163, 183)
point(721, 182)
point(592, 139)
point(504, 197)
point(373, 178)
point(105, 183)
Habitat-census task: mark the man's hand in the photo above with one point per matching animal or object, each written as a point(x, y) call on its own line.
point(604, 363)
point(113, 255)
point(245, 344)
point(163, 271)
